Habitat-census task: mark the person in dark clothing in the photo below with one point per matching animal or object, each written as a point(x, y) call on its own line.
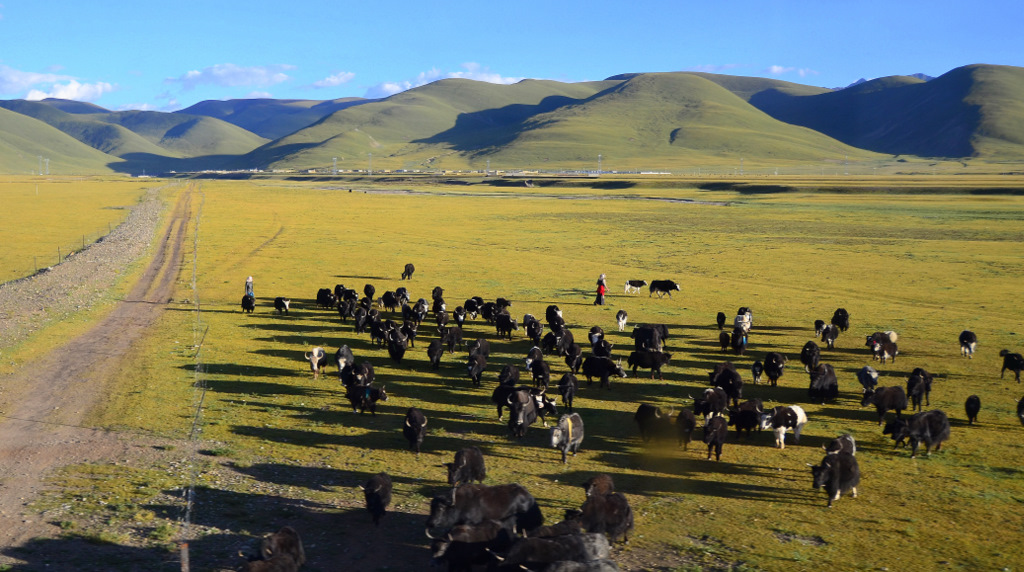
point(601, 289)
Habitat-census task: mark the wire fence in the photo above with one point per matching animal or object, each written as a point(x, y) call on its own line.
point(199, 331)
point(44, 257)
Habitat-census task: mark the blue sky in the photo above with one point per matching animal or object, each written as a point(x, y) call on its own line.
point(169, 55)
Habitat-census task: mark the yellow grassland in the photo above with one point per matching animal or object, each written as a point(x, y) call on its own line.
point(927, 266)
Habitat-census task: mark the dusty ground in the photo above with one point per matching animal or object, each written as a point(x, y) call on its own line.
point(43, 403)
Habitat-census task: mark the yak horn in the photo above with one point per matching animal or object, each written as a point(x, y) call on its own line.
point(306, 354)
point(427, 531)
point(424, 422)
point(809, 465)
point(407, 424)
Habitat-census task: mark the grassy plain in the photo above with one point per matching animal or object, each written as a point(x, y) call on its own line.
point(927, 266)
point(42, 214)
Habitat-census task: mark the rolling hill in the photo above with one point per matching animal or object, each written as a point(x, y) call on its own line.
point(23, 140)
point(271, 118)
point(144, 139)
point(666, 121)
point(645, 120)
point(972, 111)
point(397, 131)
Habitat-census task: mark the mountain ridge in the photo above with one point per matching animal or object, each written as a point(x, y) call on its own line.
point(662, 120)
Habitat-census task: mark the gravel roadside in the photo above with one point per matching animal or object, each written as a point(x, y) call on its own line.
point(82, 280)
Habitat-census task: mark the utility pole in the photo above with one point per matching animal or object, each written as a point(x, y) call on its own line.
point(599, 164)
point(334, 168)
point(370, 168)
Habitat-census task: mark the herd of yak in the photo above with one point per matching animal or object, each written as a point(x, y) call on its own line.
point(500, 526)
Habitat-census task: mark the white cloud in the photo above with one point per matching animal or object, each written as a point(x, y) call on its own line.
point(780, 70)
point(387, 89)
point(14, 81)
point(712, 68)
point(259, 95)
point(138, 107)
point(334, 80)
point(230, 75)
point(72, 90)
point(472, 71)
point(171, 105)
point(479, 73)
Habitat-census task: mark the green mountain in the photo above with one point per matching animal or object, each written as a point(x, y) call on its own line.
point(397, 131)
point(972, 111)
point(23, 140)
point(665, 121)
point(188, 135)
point(70, 106)
point(647, 120)
point(271, 118)
point(90, 129)
point(146, 139)
point(747, 87)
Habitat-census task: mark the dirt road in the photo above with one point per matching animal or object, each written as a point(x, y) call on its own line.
point(45, 402)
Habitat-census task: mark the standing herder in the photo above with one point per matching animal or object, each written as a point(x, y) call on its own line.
point(248, 287)
point(601, 289)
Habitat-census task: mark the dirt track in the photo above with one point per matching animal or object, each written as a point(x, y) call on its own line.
point(45, 402)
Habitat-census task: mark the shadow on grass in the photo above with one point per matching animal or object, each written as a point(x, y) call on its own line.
point(88, 552)
point(358, 277)
point(260, 388)
point(703, 479)
point(281, 326)
point(240, 370)
point(394, 544)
